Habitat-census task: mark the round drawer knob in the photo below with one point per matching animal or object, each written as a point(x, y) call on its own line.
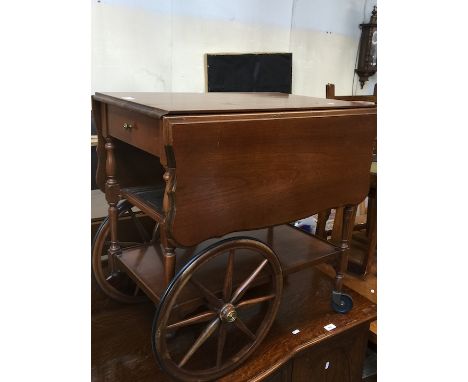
point(127, 126)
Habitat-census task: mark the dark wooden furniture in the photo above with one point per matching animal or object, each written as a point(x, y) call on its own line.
point(361, 267)
point(330, 94)
point(93, 162)
point(220, 176)
point(362, 237)
point(121, 349)
point(365, 239)
point(94, 140)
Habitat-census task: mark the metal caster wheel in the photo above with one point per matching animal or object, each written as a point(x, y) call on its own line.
point(345, 305)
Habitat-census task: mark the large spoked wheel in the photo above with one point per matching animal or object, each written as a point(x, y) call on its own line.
point(232, 290)
point(133, 232)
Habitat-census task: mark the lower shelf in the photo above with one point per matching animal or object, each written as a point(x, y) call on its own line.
point(296, 250)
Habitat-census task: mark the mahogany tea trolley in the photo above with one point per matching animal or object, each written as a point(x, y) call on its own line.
point(209, 184)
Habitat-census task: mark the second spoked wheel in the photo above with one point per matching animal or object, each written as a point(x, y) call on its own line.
point(133, 230)
point(217, 309)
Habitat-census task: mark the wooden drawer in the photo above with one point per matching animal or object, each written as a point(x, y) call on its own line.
point(135, 129)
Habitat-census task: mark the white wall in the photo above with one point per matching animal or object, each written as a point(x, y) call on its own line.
point(157, 45)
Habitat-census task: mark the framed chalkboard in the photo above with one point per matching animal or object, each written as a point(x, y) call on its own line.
point(252, 72)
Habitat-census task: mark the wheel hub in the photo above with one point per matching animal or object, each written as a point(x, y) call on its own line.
point(228, 313)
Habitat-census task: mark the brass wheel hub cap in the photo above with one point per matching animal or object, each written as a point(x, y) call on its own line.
point(228, 313)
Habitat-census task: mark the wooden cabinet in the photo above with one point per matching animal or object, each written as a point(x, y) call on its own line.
point(338, 360)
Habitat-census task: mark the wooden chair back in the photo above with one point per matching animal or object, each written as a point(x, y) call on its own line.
point(330, 93)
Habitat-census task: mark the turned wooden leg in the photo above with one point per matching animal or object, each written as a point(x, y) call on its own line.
point(344, 244)
point(112, 196)
point(168, 257)
point(169, 264)
point(341, 302)
point(169, 260)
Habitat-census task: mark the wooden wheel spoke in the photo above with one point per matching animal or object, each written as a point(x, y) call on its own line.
point(240, 324)
point(207, 332)
point(255, 301)
point(202, 317)
point(245, 285)
point(221, 341)
point(227, 290)
point(209, 296)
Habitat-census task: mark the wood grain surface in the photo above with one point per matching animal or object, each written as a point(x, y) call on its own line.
point(159, 104)
point(236, 174)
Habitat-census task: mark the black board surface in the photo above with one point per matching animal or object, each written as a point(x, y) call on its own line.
point(266, 72)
